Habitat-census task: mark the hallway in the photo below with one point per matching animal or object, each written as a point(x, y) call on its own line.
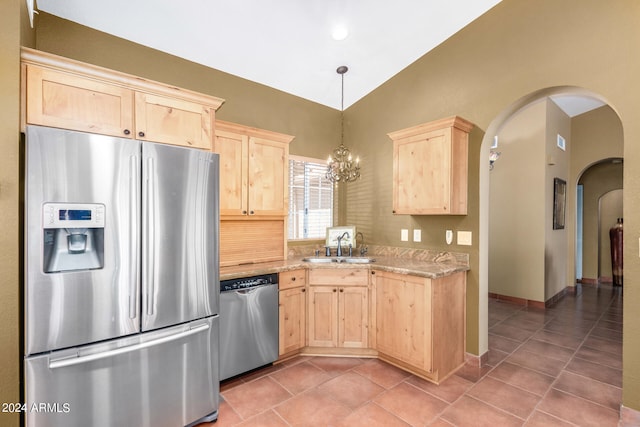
point(556, 367)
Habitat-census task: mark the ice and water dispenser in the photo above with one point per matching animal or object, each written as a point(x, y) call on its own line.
point(73, 236)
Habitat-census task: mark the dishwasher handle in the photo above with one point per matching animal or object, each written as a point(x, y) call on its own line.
point(247, 291)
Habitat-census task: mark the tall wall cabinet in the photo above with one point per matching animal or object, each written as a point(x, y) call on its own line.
point(254, 188)
point(68, 94)
point(430, 163)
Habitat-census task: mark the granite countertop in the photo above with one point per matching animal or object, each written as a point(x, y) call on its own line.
point(422, 263)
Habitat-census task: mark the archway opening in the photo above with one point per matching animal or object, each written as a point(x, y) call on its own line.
point(554, 263)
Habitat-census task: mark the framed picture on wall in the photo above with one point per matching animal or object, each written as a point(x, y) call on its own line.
point(559, 202)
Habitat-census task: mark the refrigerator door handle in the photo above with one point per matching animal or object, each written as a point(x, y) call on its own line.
point(133, 221)
point(149, 212)
point(71, 361)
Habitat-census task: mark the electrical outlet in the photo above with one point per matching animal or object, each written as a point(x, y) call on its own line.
point(417, 235)
point(448, 236)
point(404, 235)
point(464, 238)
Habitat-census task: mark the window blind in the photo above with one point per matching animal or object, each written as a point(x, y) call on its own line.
point(310, 199)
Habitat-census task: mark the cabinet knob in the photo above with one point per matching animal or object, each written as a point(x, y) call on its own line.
point(244, 212)
point(373, 272)
point(126, 132)
point(341, 290)
point(293, 279)
point(304, 290)
point(334, 290)
point(141, 134)
point(393, 211)
point(250, 212)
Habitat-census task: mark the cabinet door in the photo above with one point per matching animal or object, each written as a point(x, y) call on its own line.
point(173, 121)
point(233, 149)
point(389, 328)
point(403, 316)
point(293, 318)
point(422, 174)
point(323, 316)
point(268, 177)
point(353, 321)
point(415, 309)
point(72, 102)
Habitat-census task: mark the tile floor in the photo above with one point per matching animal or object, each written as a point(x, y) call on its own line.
point(555, 367)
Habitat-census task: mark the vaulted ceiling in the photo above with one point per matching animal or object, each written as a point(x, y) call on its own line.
point(291, 45)
point(285, 44)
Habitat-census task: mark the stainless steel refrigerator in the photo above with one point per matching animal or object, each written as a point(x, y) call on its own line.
point(121, 282)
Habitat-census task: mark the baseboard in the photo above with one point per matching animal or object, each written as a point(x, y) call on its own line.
point(531, 303)
point(557, 297)
point(629, 417)
point(476, 361)
point(519, 301)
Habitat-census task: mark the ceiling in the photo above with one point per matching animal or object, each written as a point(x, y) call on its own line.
point(288, 44)
point(285, 44)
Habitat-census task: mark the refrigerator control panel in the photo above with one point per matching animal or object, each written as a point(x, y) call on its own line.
point(73, 215)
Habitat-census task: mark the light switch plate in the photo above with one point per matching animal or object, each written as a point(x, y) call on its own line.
point(464, 238)
point(404, 235)
point(417, 235)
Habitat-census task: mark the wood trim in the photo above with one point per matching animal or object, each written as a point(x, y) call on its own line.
point(251, 131)
point(454, 122)
point(341, 352)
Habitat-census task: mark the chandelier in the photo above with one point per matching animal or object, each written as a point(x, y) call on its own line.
point(341, 167)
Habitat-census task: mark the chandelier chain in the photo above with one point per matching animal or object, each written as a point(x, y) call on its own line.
point(341, 167)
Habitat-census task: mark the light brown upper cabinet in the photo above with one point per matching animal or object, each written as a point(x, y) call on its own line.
point(254, 168)
point(173, 121)
point(430, 168)
point(68, 94)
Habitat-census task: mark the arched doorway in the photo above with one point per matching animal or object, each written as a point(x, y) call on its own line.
point(563, 274)
point(597, 211)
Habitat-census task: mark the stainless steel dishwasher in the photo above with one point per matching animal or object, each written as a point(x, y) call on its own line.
point(248, 323)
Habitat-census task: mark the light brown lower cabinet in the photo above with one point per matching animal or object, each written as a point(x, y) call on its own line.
point(420, 322)
point(415, 323)
point(292, 312)
point(338, 308)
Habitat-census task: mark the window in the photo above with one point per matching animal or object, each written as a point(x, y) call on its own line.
point(310, 199)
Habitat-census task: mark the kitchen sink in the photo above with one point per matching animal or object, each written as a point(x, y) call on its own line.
point(348, 260)
point(356, 260)
point(317, 259)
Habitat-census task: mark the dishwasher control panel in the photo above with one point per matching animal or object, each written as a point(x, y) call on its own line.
point(248, 282)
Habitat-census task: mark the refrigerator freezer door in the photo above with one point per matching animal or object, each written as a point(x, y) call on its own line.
point(161, 378)
point(180, 280)
point(94, 302)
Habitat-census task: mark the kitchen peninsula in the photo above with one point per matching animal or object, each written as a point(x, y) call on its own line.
point(408, 307)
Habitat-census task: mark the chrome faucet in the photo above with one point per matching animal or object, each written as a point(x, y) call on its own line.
point(363, 249)
point(346, 233)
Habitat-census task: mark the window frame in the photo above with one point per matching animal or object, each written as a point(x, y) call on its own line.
point(331, 186)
